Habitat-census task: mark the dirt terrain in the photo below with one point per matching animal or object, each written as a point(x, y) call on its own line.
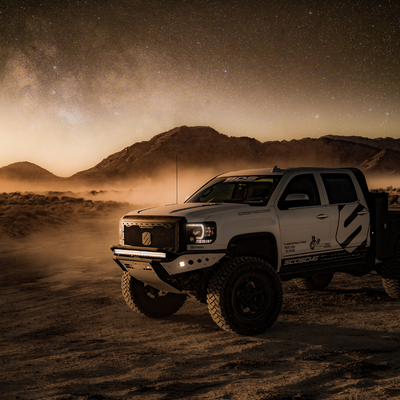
point(67, 334)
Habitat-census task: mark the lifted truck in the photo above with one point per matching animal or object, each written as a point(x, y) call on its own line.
point(234, 241)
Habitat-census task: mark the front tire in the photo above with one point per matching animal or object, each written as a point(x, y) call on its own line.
point(390, 270)
point(148, 301)
point(245, 296)
point(314, 282)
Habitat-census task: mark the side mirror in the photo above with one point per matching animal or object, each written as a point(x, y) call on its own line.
point(297, 197)
point(297, 200)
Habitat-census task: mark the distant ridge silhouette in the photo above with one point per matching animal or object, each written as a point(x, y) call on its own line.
point(202, 147)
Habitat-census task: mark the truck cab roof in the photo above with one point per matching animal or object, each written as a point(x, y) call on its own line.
point(279, 171)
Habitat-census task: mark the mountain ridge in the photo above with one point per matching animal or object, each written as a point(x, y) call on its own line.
point(381, 142)
point(202, 147)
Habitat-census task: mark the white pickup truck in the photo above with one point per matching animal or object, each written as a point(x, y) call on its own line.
point(234, 240)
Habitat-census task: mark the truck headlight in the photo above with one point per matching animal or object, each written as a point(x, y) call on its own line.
point(201, 233)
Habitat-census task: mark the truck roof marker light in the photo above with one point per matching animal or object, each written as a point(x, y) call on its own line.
point(130, 253)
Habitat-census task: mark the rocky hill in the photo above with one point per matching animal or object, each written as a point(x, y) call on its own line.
point(26, 171)
point(380, 143)
point(385, 162)
point(203, 148)
point(195, 147)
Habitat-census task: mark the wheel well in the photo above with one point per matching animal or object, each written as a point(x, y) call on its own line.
point(261, 245)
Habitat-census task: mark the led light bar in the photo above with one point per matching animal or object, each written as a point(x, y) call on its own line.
point(154, 254)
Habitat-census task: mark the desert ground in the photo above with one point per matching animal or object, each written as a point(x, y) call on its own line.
point(66, 332)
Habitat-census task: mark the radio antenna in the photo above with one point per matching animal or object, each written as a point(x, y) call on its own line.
point(176, 169)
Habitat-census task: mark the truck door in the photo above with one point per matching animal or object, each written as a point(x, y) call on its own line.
point(304, 223)
point(349, 215)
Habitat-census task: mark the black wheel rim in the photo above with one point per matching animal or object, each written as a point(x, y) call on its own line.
point(250, 297)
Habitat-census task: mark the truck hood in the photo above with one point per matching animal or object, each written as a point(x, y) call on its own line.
point(194, 210)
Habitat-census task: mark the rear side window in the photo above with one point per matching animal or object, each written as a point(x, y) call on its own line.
point(340, 188)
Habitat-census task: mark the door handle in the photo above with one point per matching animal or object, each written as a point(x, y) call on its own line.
point(361, 212)
point(322, 216)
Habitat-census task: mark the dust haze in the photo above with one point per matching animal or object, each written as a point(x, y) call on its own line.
point(388, 184)
point(56, 223)
point(159, 190)
point(164, 188)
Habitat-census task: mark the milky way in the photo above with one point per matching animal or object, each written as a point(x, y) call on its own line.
point(80, 80)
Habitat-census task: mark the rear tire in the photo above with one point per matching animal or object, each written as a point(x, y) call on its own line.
point(146, 300)
point(245, 296)
point(314, 282)
point(390, 270)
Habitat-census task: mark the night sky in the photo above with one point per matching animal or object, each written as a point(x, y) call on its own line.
point(80, 80)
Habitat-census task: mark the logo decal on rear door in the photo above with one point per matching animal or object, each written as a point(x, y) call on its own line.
point(314, 242)
point(353, 226)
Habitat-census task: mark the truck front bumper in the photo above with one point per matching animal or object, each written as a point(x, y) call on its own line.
point(156, 267)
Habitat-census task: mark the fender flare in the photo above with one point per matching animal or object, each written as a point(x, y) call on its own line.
point(260, 244)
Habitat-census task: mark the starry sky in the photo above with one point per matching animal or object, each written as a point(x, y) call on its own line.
point(80, 80)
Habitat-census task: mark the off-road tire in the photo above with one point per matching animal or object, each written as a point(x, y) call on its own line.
point(390, 272)
point(314, 282)
point(146, 300)
point(244, 295)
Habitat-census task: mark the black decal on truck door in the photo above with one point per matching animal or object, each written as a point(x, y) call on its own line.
point(353, 226)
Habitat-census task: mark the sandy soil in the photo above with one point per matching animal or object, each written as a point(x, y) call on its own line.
point(67, 334)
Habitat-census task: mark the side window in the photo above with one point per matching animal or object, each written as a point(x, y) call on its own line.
point(300, 184)
point(340, 188)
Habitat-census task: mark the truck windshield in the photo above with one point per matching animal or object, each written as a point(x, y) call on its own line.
point(253, 190)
